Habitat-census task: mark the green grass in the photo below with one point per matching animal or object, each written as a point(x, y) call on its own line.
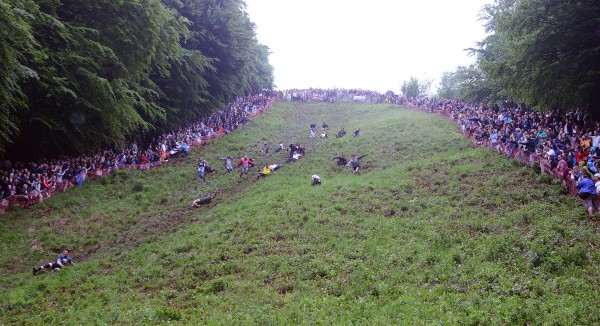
point(433, 232)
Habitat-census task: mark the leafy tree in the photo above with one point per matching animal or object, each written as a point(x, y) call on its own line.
point(544, 52)
point(93, 87)
point(468, 83)
point(222, 31)
point(100, 72)
point(17, 41)
point(415, 88)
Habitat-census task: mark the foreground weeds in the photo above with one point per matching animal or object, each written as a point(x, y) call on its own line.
point(432, 232)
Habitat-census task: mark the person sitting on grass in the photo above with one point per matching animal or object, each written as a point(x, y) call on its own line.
point(185, 147)
point(62, 260)
point(201, 201)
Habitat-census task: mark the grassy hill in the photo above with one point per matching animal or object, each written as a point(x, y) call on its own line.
point(434, 231)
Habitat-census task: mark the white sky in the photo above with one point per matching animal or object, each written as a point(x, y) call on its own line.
point(368, 44)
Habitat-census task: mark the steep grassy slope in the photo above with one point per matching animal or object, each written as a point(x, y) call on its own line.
point(434, 231)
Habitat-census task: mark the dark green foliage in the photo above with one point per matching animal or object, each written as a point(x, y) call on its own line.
point(98, 73)
point(415, 88)
point(222, 30)
point(544, 53)
point(17, 41)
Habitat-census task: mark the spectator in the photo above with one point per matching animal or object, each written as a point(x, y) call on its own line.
point(587, 192)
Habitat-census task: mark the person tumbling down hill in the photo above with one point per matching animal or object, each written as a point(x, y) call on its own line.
point(202, 169)
point(62, 260)
point(340, 160)
point(354, 163)
point(316, 180)
point(245, 163)
point(228, 164)
point(201, 201)
point(296, 156)
point(265, 172)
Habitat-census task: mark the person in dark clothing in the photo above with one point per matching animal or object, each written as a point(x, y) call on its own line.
point(588, 192)
point(316, 180)
point(354, 163)
point(201, 201)
point(340, 160)
point(62, 260)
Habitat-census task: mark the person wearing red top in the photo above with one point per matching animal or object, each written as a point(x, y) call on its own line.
point(580, 155)
point(245, 163)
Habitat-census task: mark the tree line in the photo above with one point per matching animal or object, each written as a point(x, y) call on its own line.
point(544, 53)
point(77, 76)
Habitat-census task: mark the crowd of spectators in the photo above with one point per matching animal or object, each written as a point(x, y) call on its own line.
point(24, 184)
point(563, 144)
point(331, 95)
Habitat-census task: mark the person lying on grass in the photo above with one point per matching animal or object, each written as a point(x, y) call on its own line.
point(201, 201)
point(62, 260)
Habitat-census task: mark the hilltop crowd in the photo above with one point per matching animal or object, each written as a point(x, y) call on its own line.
point(27, 183)
point(331, 95)
point(564, 145)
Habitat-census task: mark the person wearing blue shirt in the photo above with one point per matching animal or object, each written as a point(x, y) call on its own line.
point(186, 148)
point(587, 192)
point(62, 260)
